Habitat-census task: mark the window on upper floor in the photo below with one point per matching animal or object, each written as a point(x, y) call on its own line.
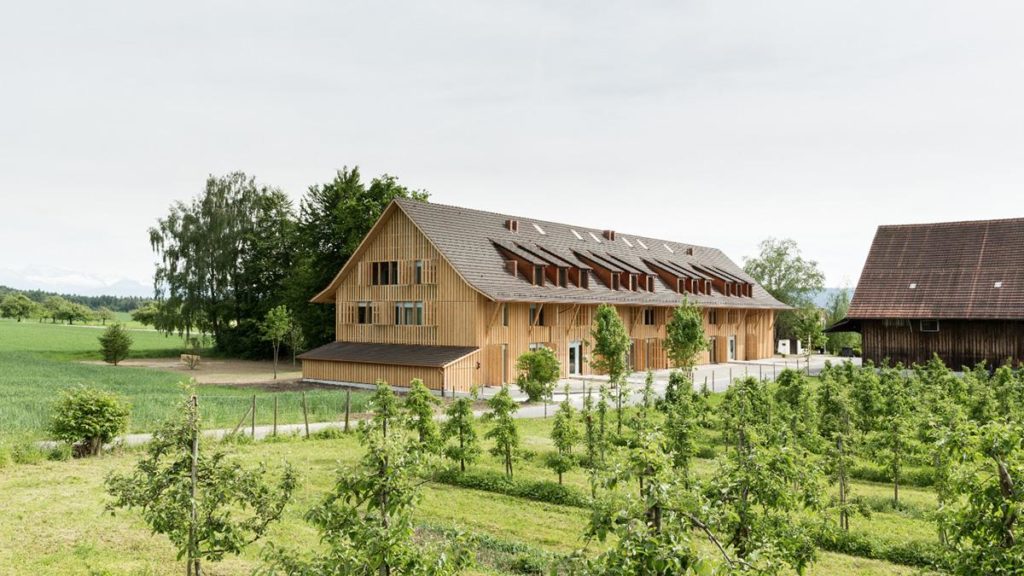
point(929, 325)
point(538, 275)
point(418, 272)
point(712, 317)
point(385, 273)
point(409, 313)
point(504, 314)
point(563, 277)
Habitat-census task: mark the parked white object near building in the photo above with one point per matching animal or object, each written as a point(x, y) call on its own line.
point(783, 347)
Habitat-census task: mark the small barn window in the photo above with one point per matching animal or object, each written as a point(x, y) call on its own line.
point(929, 325)
point(418, 274)
point(536, 314)
point(504, 314)
point(712, 317)
point(913, 286)
point(648, 316)
point(998, 285)
point(364, 313)
point(385, 273)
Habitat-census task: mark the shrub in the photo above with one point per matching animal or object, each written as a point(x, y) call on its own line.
point(328, 433)
point(920, 477)
point(26, 453)
point(910, 553)
point(115, 342)
point(539, 370)
point(59, 453)
point(89, 417)
point(706, 452)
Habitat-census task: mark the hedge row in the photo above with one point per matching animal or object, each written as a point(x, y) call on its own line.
point(919, 477)
point(506, 556)
point(916, 553)
point(537, 490)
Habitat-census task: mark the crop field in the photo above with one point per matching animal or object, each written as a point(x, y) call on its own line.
point(38, 360)
point(58, 523)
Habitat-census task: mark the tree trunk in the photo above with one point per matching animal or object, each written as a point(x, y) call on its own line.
point(277, 348)
point(193, 544)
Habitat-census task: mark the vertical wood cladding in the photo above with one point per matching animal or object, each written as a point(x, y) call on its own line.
point(958, 342)
point(455, 314)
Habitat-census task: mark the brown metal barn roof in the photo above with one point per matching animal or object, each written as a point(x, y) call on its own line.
point(954, 270)
point(395, 354)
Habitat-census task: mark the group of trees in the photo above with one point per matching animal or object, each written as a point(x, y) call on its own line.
point(18, 306)
point(241, 249)
point(113, 303)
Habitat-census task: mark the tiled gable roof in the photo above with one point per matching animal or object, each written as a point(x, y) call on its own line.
point(470, 240)
point(954, 269)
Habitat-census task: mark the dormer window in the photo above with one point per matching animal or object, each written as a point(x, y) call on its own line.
point(584, 279)
point(563, 277)
point(632, 282)
point(538, 275)
point(615, 282)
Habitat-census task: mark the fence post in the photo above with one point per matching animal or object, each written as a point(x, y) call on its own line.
point(730, 375)
point(253, 424)
point(275, 414)
point(713, 380)
point(348, 406)
point(305, 414)
point(760, 372)
point(774, 377)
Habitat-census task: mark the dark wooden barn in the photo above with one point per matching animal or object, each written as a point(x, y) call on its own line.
point(955, 289)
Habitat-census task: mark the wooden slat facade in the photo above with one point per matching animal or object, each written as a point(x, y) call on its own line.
point(958, 342)
point(455, 314)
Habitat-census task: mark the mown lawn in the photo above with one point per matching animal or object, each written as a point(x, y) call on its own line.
point(38, 360)
point(57, 522)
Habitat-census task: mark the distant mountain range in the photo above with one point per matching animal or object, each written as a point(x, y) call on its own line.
point(821, 298)
point(62, 281)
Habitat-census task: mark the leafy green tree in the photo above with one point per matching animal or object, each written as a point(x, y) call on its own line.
point(807, 326)
point(602, 420)
point(55, 306)
point(73, 312)
point(538, 373)
point(611, 348)
point(386, 412)
point(420, 404)
point(206, 504)
point(836, 307)
point(836, 414)
point(459, 426)
point(275, 329)
point(147, 314)
point(222, 260)
point(17, 306)
point(89, 417)
point(366, 521)
point(115, 343)
point(866, 394)
point(504, 431)
point(685, 338)
point(104, 314)
point(894, 436)
point(333, 219)
point(564, 434)
point(681, 430)
point(781, 269)
point(796, 405)
point(983, 523)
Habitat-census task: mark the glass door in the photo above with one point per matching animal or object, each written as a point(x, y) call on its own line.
point(575, 357)
point(732, 348)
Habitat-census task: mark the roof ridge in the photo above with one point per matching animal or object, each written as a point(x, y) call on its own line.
point(954, 223)
point(529, 219)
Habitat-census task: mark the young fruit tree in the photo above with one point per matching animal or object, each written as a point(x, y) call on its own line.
point(275, 328)
point(564, 434)
point(206, 504)
point(538, 373)
point(611, 348)
point(503, 430)
point(366, 522)
point(835, 416)
point(115, 343)
point(893, 440)
point(685, 338)
point(419, 406)
point(89, 418)
point(459, 426)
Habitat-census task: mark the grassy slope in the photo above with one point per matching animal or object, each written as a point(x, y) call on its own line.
point(58, 524)
point(38, 360)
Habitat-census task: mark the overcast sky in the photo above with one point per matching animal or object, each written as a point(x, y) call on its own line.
point(717, 123)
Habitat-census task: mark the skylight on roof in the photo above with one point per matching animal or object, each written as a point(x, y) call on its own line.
point(913, 285)
point(596, 239)
point(576, 234)
point(641, 243)
point(999, 284)
point(626, 240)
point(669, 248)
point(539, 229)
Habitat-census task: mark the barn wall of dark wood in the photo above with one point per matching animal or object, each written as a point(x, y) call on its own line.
point(958, 342)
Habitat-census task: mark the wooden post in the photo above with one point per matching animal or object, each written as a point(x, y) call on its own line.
point(194, 474)
point(730, 375)
point(348, 407)
point(712, 380)
point(275, 414)
point(253, 423)
point(774, 377)
point(760, 372)
point(305, 413)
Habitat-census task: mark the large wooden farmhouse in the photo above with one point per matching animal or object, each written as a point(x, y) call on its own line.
point(453, 296)
point(954, 289)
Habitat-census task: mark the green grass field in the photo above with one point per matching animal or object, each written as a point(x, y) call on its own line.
point(37, 360)
point(58, 524)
